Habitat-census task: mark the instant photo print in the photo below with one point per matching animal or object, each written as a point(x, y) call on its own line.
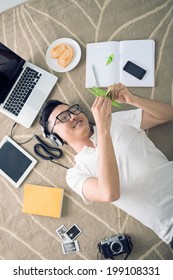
point(15, 162)
point(72, 232)
point(70, 247)
point(61, 231)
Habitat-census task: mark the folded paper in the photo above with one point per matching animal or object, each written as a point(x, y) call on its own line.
point(41, 200)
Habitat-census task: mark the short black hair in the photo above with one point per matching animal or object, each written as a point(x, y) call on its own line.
point(46, 111)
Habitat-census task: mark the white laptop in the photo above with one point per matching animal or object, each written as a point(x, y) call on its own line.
point(23, 87)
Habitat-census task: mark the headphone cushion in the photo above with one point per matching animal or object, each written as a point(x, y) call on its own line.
point(55, 139)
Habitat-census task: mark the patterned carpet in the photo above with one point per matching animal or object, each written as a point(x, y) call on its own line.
point(29, 29)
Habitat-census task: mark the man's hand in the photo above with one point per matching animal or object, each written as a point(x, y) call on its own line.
point(102, 112)
point(154, 112)
point(122, 94)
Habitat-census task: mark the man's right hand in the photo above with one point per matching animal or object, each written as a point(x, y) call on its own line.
point(102, 113)
point(106, 186)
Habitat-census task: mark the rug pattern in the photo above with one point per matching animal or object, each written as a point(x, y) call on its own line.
point(29, 29)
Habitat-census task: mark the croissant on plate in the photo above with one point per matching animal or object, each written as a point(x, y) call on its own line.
point(63, 53)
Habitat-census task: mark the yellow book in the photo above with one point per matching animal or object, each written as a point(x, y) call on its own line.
point(44, 201)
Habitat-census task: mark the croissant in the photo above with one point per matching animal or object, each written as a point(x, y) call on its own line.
point(66, 57)
point(63, 53)
point(57, 50)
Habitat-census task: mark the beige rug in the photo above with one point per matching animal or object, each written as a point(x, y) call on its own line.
point(29, 29)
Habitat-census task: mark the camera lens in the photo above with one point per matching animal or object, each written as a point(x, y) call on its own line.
point(116, 247)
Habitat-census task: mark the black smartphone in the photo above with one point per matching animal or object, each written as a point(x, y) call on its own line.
point(134, 70)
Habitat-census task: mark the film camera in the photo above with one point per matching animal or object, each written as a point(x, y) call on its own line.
point(115, 245)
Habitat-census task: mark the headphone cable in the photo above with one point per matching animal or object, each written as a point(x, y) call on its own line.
point(19, 143)
point(34, 136)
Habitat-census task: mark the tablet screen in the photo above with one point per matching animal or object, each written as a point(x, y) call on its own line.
point(15, 162)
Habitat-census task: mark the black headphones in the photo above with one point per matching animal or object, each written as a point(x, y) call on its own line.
point(54, 138)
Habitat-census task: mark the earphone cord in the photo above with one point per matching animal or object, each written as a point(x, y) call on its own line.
point(59, 164)
point(19, 143)
point(34, 136)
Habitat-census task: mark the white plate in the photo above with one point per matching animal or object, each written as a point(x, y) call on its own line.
point(53, 63)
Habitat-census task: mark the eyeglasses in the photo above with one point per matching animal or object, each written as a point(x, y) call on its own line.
point(64, 116)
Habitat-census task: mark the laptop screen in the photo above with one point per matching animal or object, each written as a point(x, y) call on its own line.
point(10, 68)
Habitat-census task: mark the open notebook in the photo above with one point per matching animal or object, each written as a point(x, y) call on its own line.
point(105, 62)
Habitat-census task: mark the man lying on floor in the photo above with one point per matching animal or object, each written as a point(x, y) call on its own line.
point(116, 161)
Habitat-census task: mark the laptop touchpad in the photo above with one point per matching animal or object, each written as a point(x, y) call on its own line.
point(36, 99)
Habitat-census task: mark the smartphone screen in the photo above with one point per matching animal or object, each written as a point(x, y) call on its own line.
point(134, 70)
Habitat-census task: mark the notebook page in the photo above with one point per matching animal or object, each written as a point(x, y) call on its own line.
point(142, 53)
point(96, 58)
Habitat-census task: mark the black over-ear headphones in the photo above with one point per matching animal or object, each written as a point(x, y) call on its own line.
point(54, 138)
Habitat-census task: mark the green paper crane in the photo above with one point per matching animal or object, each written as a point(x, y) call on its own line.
point(100, 92)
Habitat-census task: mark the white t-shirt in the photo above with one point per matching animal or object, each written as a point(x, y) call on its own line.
point(146, 176)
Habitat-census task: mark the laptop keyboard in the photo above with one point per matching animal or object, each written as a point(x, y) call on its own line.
point(22, 91)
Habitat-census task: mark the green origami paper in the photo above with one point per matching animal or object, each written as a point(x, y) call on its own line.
point(100, 92)
point(110, 59)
